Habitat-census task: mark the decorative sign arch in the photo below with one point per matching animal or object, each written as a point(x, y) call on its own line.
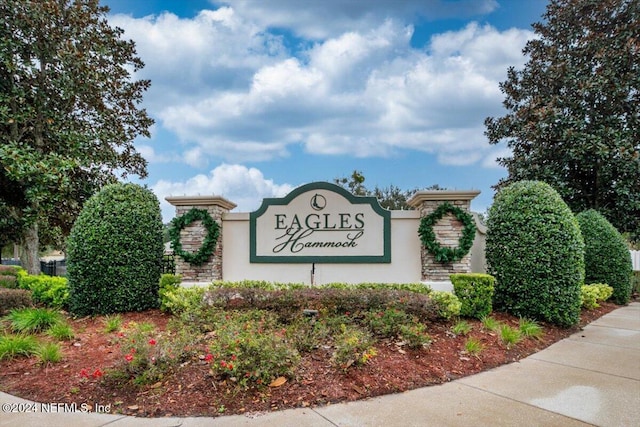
point(320, 222)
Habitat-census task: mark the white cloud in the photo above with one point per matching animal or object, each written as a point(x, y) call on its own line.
point(246, 187)
point(228, 89)
point(322, 19)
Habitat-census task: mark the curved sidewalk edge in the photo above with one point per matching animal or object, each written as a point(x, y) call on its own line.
point(590, 378)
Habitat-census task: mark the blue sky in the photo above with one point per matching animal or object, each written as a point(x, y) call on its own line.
point(253, 98)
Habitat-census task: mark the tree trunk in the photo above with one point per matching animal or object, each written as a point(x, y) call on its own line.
point(29, 250)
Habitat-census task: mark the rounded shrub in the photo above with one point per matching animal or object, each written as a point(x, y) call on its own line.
point(114, 252)
point(606, 258)
point(535, 251)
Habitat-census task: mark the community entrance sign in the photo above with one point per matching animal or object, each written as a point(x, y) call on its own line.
point(320, 223)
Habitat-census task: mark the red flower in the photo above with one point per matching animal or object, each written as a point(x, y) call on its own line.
point(97, 373)
point(208, 357)
point(233, 357)
point(152, 341)
point(129, 357)
point(230, 367)
point(223, 364)
point(84, 373)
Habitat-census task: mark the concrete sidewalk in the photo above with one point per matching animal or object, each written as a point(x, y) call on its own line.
point(590, 378)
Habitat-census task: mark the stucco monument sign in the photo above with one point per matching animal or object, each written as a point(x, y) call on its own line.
point(320, 223)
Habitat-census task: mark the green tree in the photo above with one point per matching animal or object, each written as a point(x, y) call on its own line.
point(69, 112)
point(573, 116)
point(392, 197)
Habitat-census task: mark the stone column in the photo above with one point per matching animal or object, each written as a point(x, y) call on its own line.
point(192, 236)
point(448, 231)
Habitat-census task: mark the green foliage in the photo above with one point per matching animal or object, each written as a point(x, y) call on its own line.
point(114, 252)
point(489, 323)
point(473, 346)
point(17, 345)
point(148, 356)
point(607, 258)
point(13, 299)
point(61, 331)
point(536, 253)
point(8, 282)
point(530, 329)
point(209, 242)
point(475, 292)
point(428, 238)
point(9, 276)
point(181, 299)
point(594, 293)
point(385, 323)
point(461, 327)
point(415, 335)
point(509, 336)
point(354, 346)
point(32, 320)
point(51, 291)
point(573, 109)
point(49, 353)
point(289, 302)
point(249, 349)
point(635, 280)
point(112, 323)
point(69, 113)
point(448, 305)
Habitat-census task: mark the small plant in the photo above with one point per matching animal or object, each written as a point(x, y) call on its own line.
point(33, 320)
point(475, 292)
point(491, 324)
point(592, 294)
point(385, 323)
point(473, 346)
point(462, 327)
point(251, 348)
point(530, 329)
point(61, 331)
point(509, 336)
point(17, 345)
point(112, 323)
point(354, 346)
point(448, 305)
point(415, 335)
point(49, 353)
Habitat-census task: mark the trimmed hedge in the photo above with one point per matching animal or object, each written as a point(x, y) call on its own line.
point(607, 258)
point(114, 252)
point(14, 298)
point(52, 291)
point(475, 292)
point(536, 253)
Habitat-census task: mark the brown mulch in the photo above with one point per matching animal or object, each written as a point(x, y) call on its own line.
point(192, 391)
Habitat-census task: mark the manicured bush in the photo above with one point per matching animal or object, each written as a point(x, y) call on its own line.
point(290, 303)
point(9, 276)
point(536, 253)
point(475, 292)
point(114, 252)
point(8, 282)
point(607, 259)
point(52, 291)
point(592, 294)
point(14, 298)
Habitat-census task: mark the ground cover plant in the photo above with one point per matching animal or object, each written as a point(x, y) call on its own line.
point(216, 355)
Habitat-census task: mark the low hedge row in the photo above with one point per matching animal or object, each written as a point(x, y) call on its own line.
point(290, 299)
point(14, 298)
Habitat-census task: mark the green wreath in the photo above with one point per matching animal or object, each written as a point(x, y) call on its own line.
point(428, 237)
point(209, 242)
